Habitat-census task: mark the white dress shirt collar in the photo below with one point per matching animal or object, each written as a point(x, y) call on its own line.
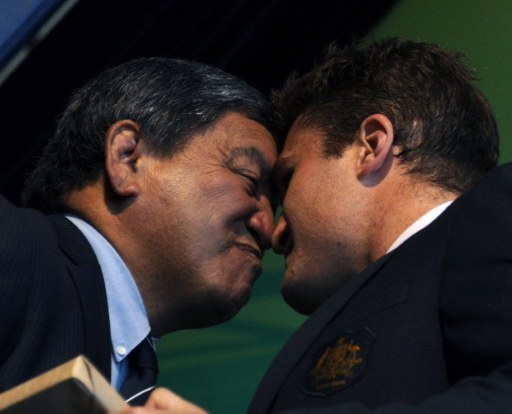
point(420, 224)
point(129, 323)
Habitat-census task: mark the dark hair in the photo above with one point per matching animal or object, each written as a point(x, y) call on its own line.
point(442, 122)
point(170, 99)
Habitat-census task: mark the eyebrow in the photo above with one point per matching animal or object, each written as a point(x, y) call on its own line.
point(253, 154)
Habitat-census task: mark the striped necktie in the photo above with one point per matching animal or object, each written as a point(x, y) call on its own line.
point(142, 373)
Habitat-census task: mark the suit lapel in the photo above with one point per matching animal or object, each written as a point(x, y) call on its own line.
point(301, 340)
point(87, 277)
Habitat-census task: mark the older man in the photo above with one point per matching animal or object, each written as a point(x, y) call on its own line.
point(150, 213)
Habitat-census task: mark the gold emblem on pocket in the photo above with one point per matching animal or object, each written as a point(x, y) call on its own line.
point(339, 363)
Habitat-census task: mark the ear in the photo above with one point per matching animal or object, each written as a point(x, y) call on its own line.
point(122, 150)
point(375, 142)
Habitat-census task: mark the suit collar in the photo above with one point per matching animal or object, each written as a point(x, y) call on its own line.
point(86, 274)
point(301, 340)
point(72, 241)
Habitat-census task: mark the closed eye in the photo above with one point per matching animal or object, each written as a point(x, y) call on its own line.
point(253, 181)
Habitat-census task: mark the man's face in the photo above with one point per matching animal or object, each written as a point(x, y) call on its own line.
point(323, 231)
point(211, 219)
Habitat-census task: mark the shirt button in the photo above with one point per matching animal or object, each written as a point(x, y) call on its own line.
point(121, 350)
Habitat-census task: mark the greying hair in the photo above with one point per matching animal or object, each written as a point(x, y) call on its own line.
point(170, 99)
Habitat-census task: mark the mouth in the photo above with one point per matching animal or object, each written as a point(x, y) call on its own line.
point(250, 249)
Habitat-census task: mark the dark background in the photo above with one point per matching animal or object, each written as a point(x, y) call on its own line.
point(259, 40)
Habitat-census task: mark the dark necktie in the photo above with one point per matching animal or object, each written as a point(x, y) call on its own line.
point(142, 373)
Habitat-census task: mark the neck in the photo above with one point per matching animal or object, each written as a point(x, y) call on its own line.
point(400, 203)
point(118, 225)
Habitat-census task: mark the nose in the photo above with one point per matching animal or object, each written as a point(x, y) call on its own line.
point(280, 236)
point(261, 224)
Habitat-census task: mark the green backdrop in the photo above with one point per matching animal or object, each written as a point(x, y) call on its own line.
point(480, 28)
point(220, 367)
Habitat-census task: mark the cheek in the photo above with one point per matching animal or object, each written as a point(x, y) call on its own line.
point(315, 216)
point(231, 275)
point(224, 193)
point(306, 199)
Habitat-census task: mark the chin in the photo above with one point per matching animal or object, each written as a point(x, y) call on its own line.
point(226, 308)
point(299, 298)
point(215, 316)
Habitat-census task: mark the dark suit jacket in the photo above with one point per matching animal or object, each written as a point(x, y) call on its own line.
point(52, 296)
point(425, 329)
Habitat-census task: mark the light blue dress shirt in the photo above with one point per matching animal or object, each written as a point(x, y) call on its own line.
point(129, 323)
